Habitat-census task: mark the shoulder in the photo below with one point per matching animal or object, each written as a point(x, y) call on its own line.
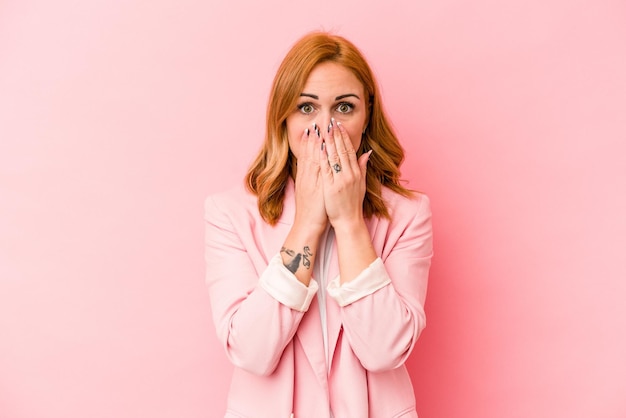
point(409, 225)
point(232, 202)
point(403, 207)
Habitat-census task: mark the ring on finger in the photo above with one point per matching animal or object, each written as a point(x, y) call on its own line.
point(337, 167)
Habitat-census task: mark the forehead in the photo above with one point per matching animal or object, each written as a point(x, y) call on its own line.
point(332, 78)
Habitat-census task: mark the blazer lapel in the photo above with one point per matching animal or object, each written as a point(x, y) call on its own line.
point(333, 311)
point(310, 336)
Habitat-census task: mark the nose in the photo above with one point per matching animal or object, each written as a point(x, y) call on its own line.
point(324, 121)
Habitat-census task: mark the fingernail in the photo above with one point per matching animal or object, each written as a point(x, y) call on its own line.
point(323, 143)
point(330, 126)
point(306, 131)
point(338, 123)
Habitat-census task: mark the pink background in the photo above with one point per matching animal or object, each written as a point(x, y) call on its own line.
point(118, 117)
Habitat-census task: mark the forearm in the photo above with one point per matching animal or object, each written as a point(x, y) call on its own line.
point(354, 249)
point(299, 251)
point(255, 316)
point(383, 319)
point(382, 328)
point(257, 333)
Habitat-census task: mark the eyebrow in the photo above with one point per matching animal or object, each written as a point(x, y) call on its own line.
point(343, 96)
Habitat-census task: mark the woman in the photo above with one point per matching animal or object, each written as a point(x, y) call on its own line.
point(317, 269)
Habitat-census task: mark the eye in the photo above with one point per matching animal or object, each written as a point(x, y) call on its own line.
point(306, 108)
point(345, 107)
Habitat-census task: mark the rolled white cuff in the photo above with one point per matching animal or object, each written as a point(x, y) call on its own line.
point(283, 286)
point(372, 278)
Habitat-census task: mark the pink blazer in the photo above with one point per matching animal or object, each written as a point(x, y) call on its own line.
point(278, 352)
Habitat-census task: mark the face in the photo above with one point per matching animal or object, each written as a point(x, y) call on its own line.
point(331, 91)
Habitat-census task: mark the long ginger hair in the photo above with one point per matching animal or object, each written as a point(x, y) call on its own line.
point(269, 173)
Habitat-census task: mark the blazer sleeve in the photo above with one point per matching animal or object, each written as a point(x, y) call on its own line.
point(250, 309)
point(382, 324)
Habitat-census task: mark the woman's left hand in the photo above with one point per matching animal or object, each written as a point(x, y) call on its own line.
point(343, 177)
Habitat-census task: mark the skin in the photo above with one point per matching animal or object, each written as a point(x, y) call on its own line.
point(334, 99)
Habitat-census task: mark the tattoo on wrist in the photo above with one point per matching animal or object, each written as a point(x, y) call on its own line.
point(306, 261)
point(304, 256)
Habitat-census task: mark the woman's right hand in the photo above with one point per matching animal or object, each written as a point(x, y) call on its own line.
point(310, 208)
